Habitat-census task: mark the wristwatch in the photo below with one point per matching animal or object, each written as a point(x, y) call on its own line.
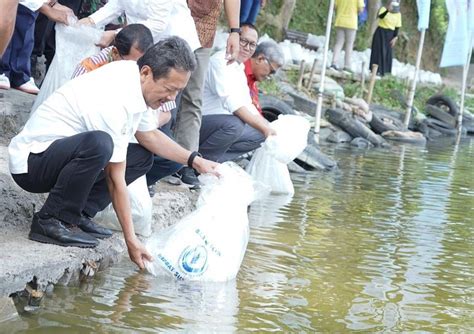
point(237, 30)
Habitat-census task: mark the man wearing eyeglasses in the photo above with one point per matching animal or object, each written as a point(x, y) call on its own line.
point(231, 124)
point(266, 60)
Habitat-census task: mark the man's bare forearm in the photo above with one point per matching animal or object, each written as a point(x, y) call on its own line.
point(7, 22)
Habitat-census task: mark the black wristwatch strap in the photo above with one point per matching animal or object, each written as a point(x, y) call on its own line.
point(191, 158)
point(237, 30)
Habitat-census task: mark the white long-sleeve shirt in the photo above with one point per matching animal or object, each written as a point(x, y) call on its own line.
point(108, 99)
point(163, 17)
point(225, 87)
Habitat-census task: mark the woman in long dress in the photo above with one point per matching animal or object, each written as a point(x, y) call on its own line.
point(385, 37)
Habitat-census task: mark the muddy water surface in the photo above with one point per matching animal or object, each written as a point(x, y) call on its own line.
point(383, 244)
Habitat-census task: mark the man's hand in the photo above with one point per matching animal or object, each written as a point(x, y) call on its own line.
point(269, 132)
point(204, 166)
point(393, 41)
point(138, 252)
point(106, 39)
point(163, 118)
point(87, 21)
point(232, 49)
point(58, 13)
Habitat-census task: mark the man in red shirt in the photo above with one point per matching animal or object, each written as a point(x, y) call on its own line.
point(266, 60)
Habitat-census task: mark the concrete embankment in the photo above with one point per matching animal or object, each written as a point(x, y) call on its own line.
point(22, 260)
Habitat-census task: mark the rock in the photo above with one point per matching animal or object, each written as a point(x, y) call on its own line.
point(361, 143)
point(339, 136)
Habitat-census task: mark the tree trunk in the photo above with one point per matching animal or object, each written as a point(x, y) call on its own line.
point(373, 10)
point(286, 12)
point(281, 20)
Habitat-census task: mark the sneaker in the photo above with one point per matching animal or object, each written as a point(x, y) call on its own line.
point(53, 231)
point(334, 67)
point(151, 190)
point(29, 87)
point(348, 70)
point(188, 178)
point(4, 82)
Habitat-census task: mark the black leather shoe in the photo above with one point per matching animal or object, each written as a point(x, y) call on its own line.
point(88, 226)
point(54, 231)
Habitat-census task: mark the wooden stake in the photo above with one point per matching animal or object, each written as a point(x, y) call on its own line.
point(311, 75)
point(373, 75)
point(300, 77)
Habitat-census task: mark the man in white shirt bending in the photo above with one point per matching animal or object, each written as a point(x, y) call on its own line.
point(76, 145)
point(231, 125)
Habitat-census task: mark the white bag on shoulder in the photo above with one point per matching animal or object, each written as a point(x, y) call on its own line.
point(210, 243)
point(73, 44)
point(141, 205)
point(269, 163)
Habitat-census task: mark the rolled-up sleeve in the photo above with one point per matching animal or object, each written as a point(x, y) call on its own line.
point(106, 14)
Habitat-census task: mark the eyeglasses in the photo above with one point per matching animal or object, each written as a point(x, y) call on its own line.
point(272, 69)
point(245, 42)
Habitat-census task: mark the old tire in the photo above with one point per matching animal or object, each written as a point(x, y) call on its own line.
point(444, 102)
point(441, 115)
point(273, 107)
point(382, 123)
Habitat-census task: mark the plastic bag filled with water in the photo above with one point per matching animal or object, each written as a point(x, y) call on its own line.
point(269, 163)
point(208, 244)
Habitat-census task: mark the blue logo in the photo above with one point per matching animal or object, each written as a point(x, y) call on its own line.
point(193, 260)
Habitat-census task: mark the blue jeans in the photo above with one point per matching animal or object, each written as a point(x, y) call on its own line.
point(15, 63)
point(249, 10)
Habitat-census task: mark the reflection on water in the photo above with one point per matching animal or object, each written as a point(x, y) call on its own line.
point(382, 244)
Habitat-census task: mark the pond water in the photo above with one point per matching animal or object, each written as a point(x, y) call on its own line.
point(384, 244)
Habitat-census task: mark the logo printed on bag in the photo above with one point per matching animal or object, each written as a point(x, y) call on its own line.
point(193, 260)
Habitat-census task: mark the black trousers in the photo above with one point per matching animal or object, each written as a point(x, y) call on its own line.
point(72, 171)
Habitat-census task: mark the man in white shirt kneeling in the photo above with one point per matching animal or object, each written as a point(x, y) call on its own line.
point(76, 145)
point(231, 125)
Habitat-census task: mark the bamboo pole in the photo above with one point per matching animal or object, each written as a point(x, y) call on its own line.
point(373, 76)
point(311, 75)
point(463, 90)
point(317, 123)
point(411, 95)
point(300, 77)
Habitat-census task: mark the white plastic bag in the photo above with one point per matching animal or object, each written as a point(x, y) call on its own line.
point(268, 163)
point(73, 44)
point(210, 243)
point(141, 205)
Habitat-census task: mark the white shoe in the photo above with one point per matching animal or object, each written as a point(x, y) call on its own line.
point(4, 82)
point(29, 87)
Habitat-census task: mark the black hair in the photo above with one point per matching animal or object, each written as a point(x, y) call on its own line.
point(170, 53)
point(248, 25)
point(133, 35)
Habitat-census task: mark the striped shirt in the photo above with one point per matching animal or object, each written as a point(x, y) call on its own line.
point(105, 57)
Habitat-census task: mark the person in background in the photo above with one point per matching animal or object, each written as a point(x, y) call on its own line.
point(76, 146)
point(129, 44)
point(385, 37)
point(266, 60)
point(15, 68)
point(163, 17)
point(45, 37)
point(346, 28)
point(231, 125)
point(7, 23)
point(188, 120)
point(249, 10)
